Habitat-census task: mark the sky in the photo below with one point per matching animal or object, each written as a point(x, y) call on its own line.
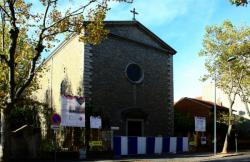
point(181, 24)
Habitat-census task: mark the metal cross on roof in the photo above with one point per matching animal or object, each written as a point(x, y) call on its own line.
point(134, 13)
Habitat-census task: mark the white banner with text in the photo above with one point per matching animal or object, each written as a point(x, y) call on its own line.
point(72, 111)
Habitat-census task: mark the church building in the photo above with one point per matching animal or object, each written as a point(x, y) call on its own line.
point(127, 79)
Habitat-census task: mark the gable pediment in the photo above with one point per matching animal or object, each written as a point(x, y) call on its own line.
point(135, 31)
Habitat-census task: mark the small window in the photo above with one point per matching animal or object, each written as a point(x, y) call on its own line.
point(134, 73)
point(242, 113)
point(64, 87)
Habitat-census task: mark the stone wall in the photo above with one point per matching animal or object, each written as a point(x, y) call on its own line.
point(113, 95)
point(64, 64)
point(101, 71)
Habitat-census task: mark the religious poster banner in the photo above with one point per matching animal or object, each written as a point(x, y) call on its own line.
point(95, 122)
point(72, 111)
point(200, 124)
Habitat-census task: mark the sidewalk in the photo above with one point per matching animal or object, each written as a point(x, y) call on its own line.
point(186, 157)
point(223, 155)
point(167, 158)
point(178, 157)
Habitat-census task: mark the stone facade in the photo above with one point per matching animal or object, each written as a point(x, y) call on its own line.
point(107, 90)
point(64, 64)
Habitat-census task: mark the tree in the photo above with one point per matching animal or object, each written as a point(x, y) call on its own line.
point(22, 59)
point(244, 87)
point(239, 2)
point(43, 23)
point(26, 111)
point(219, 44)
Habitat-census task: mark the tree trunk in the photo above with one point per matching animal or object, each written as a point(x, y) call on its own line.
point(6, 134)
point(225, 146)
point(230, 123)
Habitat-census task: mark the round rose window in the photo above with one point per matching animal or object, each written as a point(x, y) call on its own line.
point(134, 73)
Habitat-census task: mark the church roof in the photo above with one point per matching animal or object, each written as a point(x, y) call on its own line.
point(164, 46)
point(154, 37)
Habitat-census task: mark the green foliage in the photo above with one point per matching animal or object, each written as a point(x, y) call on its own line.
point(239, 2)
point(28, 112)
point(45, 21)
point(21, 52)
point(219, 44)
point(23, 57)
point(183, 122)
point(23, 116)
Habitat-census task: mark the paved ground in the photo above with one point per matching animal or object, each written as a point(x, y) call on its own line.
point(241, 156)
point(236, 158)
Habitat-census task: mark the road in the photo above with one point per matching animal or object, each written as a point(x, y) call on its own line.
point(242, 156)
point(203, 157)
point(239, 158)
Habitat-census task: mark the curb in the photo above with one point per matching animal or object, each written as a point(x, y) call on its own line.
point(229, 155)
point(222, 155)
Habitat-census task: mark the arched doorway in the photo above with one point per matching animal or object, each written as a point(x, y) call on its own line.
point(135, 121)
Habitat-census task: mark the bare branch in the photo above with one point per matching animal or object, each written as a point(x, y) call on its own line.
point(2, 8)
point(45, 14)
point(240, 79)
point(39, 48)
point(14, 1)
point(12, 14)
point(73, 13)
point(59, 32)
